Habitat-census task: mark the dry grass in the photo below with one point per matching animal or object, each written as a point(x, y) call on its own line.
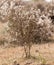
point(9, 55)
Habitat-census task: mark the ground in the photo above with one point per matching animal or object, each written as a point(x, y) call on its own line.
point(44, 51)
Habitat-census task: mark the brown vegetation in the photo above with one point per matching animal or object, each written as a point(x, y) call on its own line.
point(28, 30)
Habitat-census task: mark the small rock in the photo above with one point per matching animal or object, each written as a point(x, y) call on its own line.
point(15, 63)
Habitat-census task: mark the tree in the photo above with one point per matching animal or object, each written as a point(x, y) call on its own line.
point(27, 27)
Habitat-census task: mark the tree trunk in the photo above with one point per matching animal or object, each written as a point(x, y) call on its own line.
point(27, 49)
